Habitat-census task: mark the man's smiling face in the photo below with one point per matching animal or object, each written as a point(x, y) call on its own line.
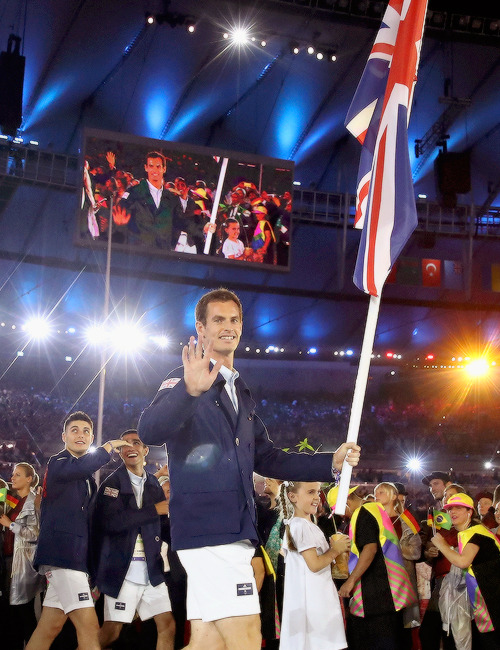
point(133, 457)
point(223, 327)
point(155, 169)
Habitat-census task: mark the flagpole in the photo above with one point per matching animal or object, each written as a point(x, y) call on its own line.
point(102, 372)
point(215, 205)
point(358, 398)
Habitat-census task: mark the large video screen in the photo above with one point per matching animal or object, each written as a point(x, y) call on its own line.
point(166, 198)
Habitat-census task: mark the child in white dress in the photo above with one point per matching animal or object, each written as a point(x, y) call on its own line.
point(312, 617)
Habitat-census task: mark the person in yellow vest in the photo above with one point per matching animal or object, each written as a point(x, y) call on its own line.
point(263, 237)
point(479, 553)
point(378, 583)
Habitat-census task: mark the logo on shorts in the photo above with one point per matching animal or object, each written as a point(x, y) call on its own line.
point(244, 589)
point(120, 606)
point(83, 596)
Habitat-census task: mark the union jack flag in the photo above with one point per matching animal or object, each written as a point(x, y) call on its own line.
point(378, 117)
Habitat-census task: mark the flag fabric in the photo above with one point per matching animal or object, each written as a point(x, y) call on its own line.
point(11, 501)
point(378, 118)
point(495, 277)
point(431, 273)
point(453, 276)
point(3, 495)
point(442, 519)
point(409, 271)
point(410, 521)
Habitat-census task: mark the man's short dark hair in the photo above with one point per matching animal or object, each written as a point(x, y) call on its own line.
point(129, 431)
point(157, 154)
point(125, 433)
point(229, 221)
point(217, 295)
point(77, 415)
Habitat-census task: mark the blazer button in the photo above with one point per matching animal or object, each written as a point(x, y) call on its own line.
point(237, 441)
point(216, 403)
point(250, 417)
point(157, 539)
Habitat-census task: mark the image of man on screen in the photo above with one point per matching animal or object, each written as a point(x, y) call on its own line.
point(147, 208)
point(188, 220)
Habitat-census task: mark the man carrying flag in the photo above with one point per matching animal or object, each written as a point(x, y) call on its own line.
point(205, 414)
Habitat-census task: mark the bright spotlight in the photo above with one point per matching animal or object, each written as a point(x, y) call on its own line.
point(37, 328)
point(240, 36)
point(161, 341)
point(127, 337)
point(477, 368)
point(414, 464)
point(191, 27)
point(312, 351)
point(150, 19)
point(96, 334)
point(488, 464)
point(310, 49)
point(319, 56)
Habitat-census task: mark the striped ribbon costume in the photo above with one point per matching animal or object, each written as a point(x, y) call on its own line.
point(402, 591)
point(481, 614)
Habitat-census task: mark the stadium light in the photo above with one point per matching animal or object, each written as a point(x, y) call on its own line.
point(477, 368)
point(96, 334)
point(240, 36)
point(161, 341)
point(127, 337)
point(414, 464)
point(37, 328)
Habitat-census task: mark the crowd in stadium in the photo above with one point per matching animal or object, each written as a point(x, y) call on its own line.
point(31, 429)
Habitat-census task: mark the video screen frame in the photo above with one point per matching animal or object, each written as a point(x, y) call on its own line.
point(163, 194)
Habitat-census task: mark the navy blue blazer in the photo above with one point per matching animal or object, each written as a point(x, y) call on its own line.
point(212, 454)
point(64, 517)
point(116, 523)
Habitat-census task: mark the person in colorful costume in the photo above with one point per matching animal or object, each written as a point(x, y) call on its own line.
point(378, 582)
point(478, 553)
point(263, 237)
point(407, 528)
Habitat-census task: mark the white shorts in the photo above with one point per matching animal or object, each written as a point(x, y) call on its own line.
point(67, 590)
point(146, 600)
point(220, 581)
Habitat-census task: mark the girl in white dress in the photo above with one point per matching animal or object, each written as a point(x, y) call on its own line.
point(312, 618)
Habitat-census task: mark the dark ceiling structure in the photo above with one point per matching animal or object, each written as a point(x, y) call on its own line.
point(104, 65)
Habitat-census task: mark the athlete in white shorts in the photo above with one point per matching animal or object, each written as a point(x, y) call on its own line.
point(226, 568)
point(128, 542)
point(63, 542)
